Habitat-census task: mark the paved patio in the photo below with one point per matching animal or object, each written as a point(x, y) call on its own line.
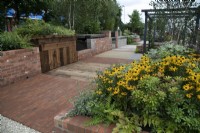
point(35, 101)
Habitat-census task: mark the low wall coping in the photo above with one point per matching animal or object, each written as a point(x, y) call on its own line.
point(52, 36)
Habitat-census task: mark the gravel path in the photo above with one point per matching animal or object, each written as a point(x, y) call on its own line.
point(10, 126)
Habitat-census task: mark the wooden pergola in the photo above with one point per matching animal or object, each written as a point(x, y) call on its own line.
point(151, 14)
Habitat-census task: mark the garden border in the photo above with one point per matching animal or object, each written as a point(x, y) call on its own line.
point(76, 124)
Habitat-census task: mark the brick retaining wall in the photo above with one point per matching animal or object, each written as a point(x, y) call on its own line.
point(101, 45)
point(77, 125)
point(83, 54)
point(95, 46)
point(19, 64)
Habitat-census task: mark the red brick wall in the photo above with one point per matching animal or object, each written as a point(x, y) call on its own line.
point(19, 64)
point(98, 45)
point(84, 54)
point(102, 45)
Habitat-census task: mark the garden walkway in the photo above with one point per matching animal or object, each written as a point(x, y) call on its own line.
point(34, 102)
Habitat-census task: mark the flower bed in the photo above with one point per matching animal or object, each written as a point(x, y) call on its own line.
point(158, 94)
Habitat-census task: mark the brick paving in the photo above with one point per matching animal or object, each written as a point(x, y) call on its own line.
point(35, 101)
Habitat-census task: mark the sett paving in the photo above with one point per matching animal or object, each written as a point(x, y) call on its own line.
point(35, 101)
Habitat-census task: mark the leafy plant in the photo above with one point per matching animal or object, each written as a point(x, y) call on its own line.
point(83, 104)
point(168, 49)
point(38, 27)
point(125, 124)
point(129, 40)
point(102, 112)
point(130, 36)
point(11, 40)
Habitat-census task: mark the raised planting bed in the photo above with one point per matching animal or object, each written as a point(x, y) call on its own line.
point(77, 125)
point(19, 64)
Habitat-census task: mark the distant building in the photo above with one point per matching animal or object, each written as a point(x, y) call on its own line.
point(10, 18)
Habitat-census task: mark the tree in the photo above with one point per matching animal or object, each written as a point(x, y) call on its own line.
point(111, 15)
point(84, 16)
point(89, 16)
point(24, 7)
point(135, 23)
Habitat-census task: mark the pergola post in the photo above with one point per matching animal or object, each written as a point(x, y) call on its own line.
point(154, 33)
point(197, 32)
point(184, 31)
point(145, 34)
point(150, 36)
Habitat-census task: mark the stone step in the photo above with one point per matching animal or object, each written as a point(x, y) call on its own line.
point(82, 66)
point(79, 71)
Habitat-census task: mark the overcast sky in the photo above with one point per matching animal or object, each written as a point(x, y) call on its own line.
point(129, 5)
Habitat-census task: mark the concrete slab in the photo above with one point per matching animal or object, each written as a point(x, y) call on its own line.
point(124, 52)
point(116, 54)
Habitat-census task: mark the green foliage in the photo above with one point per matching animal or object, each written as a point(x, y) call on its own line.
point(136, 24)
point(91, 27)
point(102, 112)
point(130, 36)
point(168, 49)
point(161, 94)
point(129, 39)
point(127, 32)
point(83, 104)
point(111, 15)
point(35, 27)
point(88, 16)
point(126, 124)
point(11, 40)
point(148, 97)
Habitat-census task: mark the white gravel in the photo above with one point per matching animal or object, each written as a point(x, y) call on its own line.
point(10, 126)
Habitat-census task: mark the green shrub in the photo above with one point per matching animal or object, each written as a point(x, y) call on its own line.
point(161, 93)
point(130, 36)
point(168, 49)
point(38, 27)
point(164, 94)
point(126, 33)
point(129, 39)
point(11, 40)
point(83, 104)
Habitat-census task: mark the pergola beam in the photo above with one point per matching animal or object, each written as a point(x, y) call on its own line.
point(171, 14)
point(164, 10)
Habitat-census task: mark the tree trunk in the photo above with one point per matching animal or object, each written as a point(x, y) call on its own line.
point(73, 14)
point(69, 17)
point(17, 16)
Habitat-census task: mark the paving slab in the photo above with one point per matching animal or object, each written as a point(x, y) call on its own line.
point(124, 52)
